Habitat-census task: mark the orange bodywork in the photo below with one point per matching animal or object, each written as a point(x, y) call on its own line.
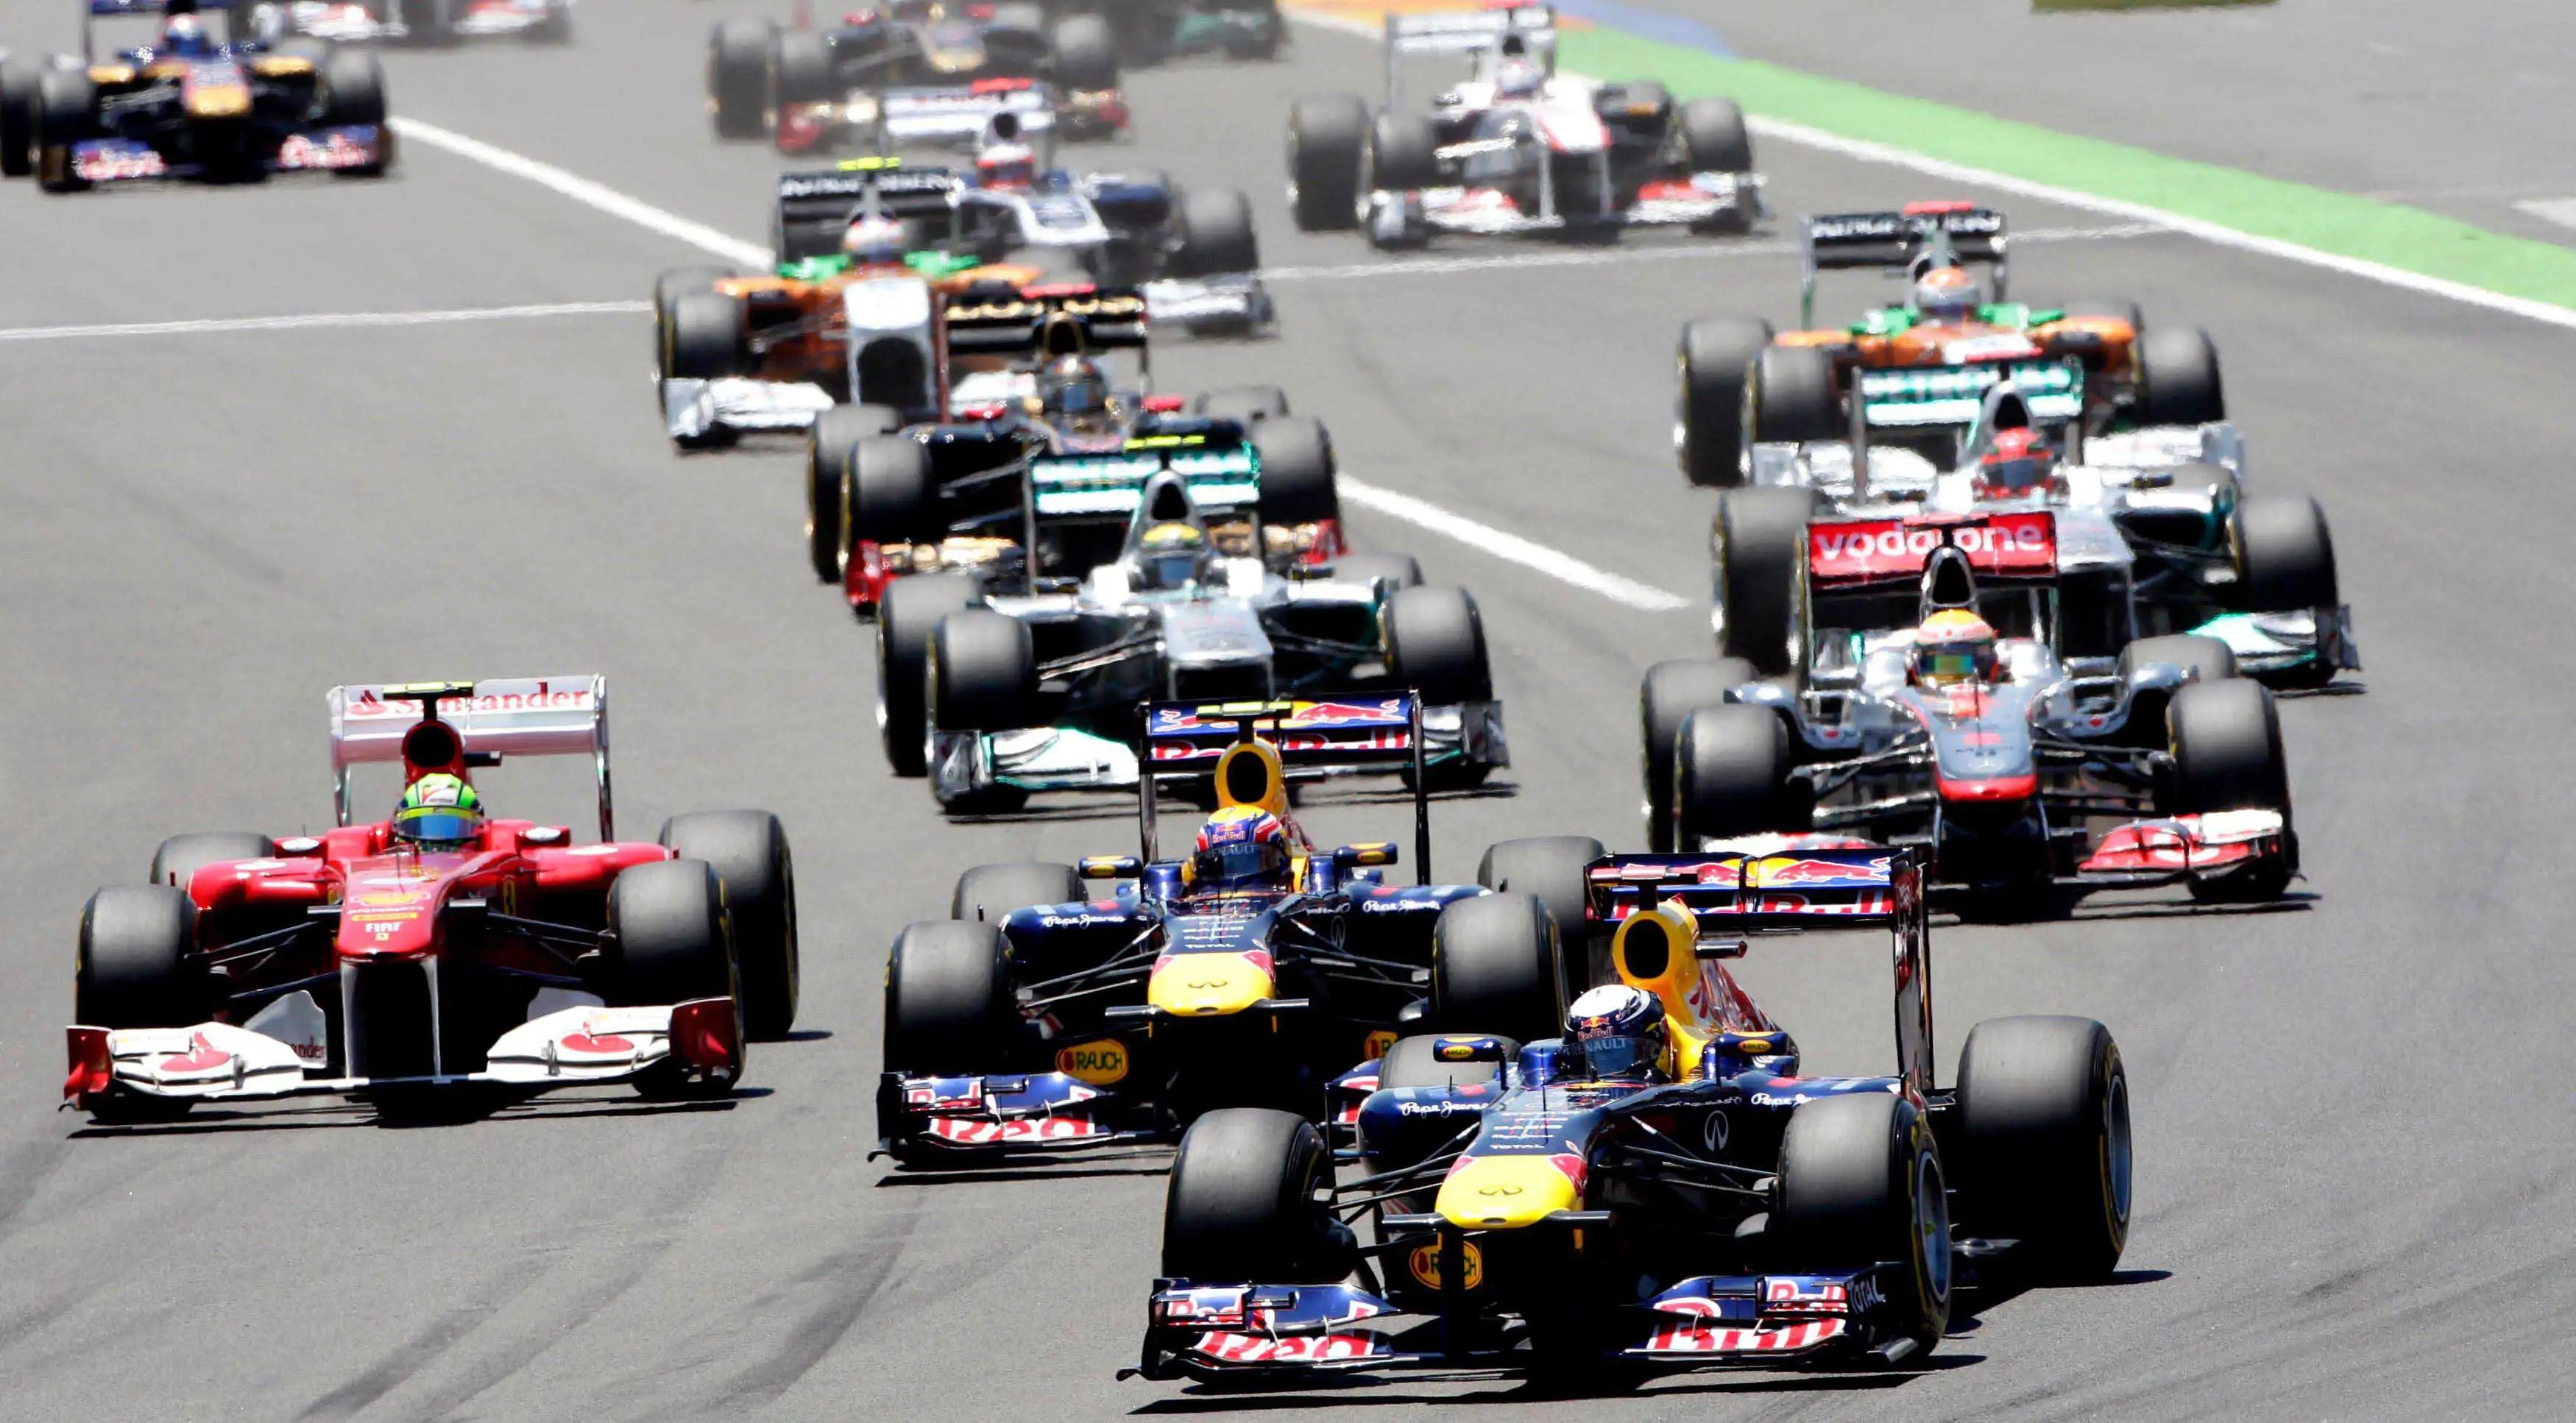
point(2104, 343)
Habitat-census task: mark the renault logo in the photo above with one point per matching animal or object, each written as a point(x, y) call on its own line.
point(1498, 1190)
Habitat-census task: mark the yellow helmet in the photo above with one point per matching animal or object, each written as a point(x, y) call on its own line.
point(1954, 646)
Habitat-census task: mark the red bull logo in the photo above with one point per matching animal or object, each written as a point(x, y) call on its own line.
point(1782, 872)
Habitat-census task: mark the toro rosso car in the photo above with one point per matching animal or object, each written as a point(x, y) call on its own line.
point(1022, 681)
point(185, 105)
point(367, 961)
point(811, 89)
point(1035, 1021)
point(2007, 769)
point(1515, 147)
point(418, 21)
point(1519, 1206)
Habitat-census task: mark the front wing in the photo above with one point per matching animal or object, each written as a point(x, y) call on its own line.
point(696, 410)
point(102, 162)
point(1728, 201)
point(960, 1119)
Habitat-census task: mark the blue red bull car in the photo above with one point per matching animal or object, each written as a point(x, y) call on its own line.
point(1036, 1019)
point(1507, 1207)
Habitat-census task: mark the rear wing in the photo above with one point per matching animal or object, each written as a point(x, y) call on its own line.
point(1217, 465)
point(1468, 32)
point(1035, 320)
point(1918, 397)
point(961, 113)
point(1850, 240)
point(1313, 739)
point(1851, 553)
point(1793, 890)
point(519, 716)
point(815, 208)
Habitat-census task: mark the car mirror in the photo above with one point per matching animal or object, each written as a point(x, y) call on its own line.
point(1370, 854)
point(1110, 866)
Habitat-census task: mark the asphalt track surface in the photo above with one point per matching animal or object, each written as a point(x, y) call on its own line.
point(2354, 1170)
point(2456, 107)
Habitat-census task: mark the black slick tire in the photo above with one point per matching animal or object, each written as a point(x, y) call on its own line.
point(1861, 1182)
point(137, 965)
point(1241, 1205)
point(983, 672)
point(748, 851)
point(890, 496)
point(1494, 967)
point(1550, 867)
point(948, 1005)
point(1792, 396)
point(1086, 54)
point(830, 450)
point(1713, 136)
point(1297, 471)
point(66, 112)
point(1435, 644)
point(1759, 552)
point(708, 337)
point(2178, 381)
point(1670, 693)
point(180, 857)
point(988, 894)
point(2285, 559)
point(675, 944)
point(1730, 775)
point(738, 79)
point(2043, 1145)
point(1401, 152)
point(912, 611)
point(1217, 234)
point(1326, 140)
point(1716, 360)
point(18, 83)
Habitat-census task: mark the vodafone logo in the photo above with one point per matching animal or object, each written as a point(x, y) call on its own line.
point(2017, 543)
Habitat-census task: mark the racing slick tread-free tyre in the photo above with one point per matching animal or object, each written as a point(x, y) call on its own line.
point(1241, 1206)
point(675, 943)
point(137, 966)
point(1792, 397)
point(1494, 967)
point(66, 112)
point(2285, 560)
point(181, 856)
point(949, 1008)
point(890, 493)
point(1669, 694)
point(1399, 570)
point(748, 851)
point(1217, 234)
point(18, 84)
point(2178, 380)
point(429, 20)
point(738, 78)
point(1760, 552)
point(1717, 356)
point(800, 67)
point(668, 288)
point(1402, 152)
point(2227, 748)
point(1086, 54)
point(2043, 1144)
point(1435, 644)
point(1730, 775)
point(1326, 138)
point(1245, 405)
point(1860, 1182)
point(830, 450)
point(708, 338)
point(1714, 139)
point(1297, 471)
point(987, 894)
point(983, 672)
point(912, 611)
point(1551, 867)
point(353, 88)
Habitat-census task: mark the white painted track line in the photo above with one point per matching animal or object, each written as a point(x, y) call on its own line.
point(584, 191)
point(324, 320)
point(1563, 567)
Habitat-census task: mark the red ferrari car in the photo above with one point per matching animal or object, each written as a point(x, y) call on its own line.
point(372, 960)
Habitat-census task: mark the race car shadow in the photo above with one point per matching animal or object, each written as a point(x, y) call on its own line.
point(1142, 1161)
point(1361, 1391)
point(2069, 904)
point(2330, 689)
point(340, 1115)
point(2296, 902)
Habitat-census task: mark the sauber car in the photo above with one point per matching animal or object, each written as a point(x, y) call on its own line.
point(1506, 1207)
point(357, 962)
point(2026, 777)
point(808, 89)
point(1514, 147)
point(1036, 1020)
point(185, 106)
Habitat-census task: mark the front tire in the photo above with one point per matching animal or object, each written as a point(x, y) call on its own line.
point(2044, 1149)
point(1241, 1206)
point(2178, 381)
point(674, 945)
point(983, 672)
point(1435, 644)
point(1326, 139)
point(748, 851)
point(1297, 470)
point(1860, 1183)
point(708, 337)
point(137, 965)
point(949, 1009)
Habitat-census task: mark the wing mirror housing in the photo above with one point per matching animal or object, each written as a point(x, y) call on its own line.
point(1368, 854)
point(1110, 867)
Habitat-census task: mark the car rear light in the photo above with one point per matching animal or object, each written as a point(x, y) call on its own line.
point(93, 1067)
point(704, 1035)
point(1163, 404)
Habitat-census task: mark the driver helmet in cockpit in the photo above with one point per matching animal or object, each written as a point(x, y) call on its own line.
point(874, 240)
point(1172, 556)
point(2018, 463)
point(184, 35)
point(1241, 847)
point(1947, 294)
point(440, 813)
point(1620, 1031)
point(1073, 393)
point(1954, 648)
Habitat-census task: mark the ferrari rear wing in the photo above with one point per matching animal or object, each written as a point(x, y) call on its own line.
point(1313, 739)
point(815, 207)
point(1790, 884)
point(1959, 231)
point(519, 716)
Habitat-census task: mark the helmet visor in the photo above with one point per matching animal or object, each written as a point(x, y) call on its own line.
point(1241, 864)
point(1948, 664)
point(1622, 1055)
point(1080, 397)
point(438, 825)
point(2016, 475)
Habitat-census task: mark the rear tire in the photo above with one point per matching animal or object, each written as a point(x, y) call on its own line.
point(1717, 357)
point(2178, 380)
point(1550, 867)
point(708, 337)
point(1860, 1182)
point(748, 851)
point(1326, 139)
point(988, 894)
point(891, 497)
point(1435, 644)
point(1731, 776)
point(1494, 967)
point(2044, 1149)
point(949, 1009)
point(1217, 234)
point(1760, 552)
point(352, 88)
point(1297, 471)
point(1086, 54)
point(180, 857)
point(829, 454)
point(911, 613)
point(800, 65)
point(738, 79)
point(1241, 1207)
point(66, 112)
point(1793, 397)
point(137, 965)
point(1671, 692)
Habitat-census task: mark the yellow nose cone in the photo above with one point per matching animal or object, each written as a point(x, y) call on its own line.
point(1207, 985)
point(1505, 1193)
point(219, 101)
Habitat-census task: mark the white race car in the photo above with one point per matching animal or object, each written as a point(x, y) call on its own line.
point(419, 21)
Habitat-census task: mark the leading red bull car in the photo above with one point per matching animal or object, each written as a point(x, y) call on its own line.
point(443, 946)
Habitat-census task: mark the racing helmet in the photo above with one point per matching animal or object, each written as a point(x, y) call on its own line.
point(1241, 847)
point(1947, 294)
point(1620, 1032)
point(2020, 462)
point(1006, 165)
point(1517, 76)
point(184, 35)
point(874, 240)
point(439, 812)
point(1073, 388)
point(1954, 647)
point(1170, 556)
